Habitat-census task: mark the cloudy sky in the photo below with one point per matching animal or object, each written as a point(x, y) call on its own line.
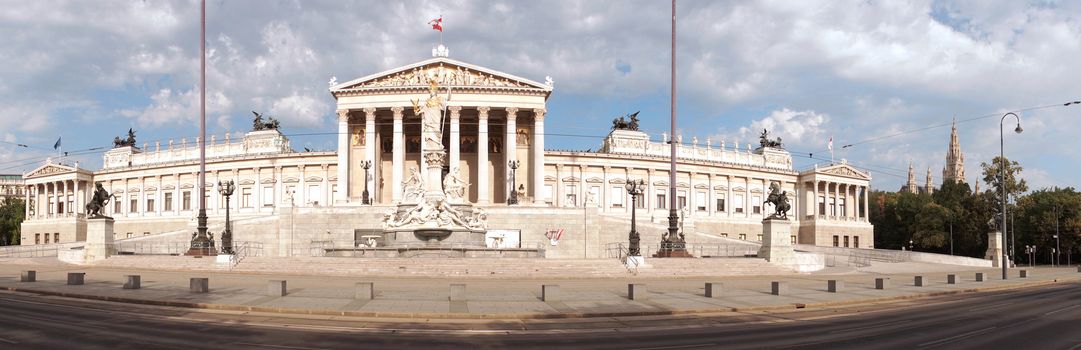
point(886, 77)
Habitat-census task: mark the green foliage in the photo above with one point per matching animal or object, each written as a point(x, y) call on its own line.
point(927, 220)
point(11, 216)
point(993, 178)
point(1037, 215)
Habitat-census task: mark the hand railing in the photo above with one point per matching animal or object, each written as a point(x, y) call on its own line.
point(29, 251)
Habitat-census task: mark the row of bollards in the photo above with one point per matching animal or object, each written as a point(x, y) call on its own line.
point(549, 292)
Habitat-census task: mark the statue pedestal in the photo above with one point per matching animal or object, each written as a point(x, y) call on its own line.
point(777, 241)
point(994, 248)
point(99, 238)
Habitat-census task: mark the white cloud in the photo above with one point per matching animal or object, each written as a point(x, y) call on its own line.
point(303, 110)
point(794, 127)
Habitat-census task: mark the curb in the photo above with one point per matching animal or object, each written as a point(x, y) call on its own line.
point(521, 316)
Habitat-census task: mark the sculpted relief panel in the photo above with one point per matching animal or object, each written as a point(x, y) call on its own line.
point(443, 76)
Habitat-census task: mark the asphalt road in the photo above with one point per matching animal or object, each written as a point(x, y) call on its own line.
point(1034, 318)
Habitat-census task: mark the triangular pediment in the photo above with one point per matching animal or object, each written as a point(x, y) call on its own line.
point(844, 170)
point(49, 169)
point(443, 71)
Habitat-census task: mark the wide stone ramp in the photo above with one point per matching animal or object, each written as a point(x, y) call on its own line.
point(694, 267)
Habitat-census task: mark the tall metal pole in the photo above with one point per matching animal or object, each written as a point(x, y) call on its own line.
point(201, 243)
point(1057, 247)
point(1002, 180)
point(673, 216)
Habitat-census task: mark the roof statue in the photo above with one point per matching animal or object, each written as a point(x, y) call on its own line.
point(259, 125)
point(127, 142)
point(622, 123)
point(764, 140)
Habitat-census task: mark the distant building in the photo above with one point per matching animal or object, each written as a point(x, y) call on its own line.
point(955, 160)
point(11, 186)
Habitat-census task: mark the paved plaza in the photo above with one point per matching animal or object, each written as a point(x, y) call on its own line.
point(503, 298)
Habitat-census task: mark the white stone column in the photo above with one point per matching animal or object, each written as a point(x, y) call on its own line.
point(650, 194)
point(605, 200)
point(343, 157)
point(325, 193)
point(814, 199)
point(369, 153)
point(257, 191)
point(728, 198)
point(482, 156)
point(557, 190)
point(398, 155)
point(177, 193)
point(711, 195)
point(302, 189)
point(836, 187)
point(538, 156)
point(510, 150)
point(455, 137)
point(866, 200)
point(747, 207)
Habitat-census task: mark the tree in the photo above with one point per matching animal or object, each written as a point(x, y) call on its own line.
point(992, 177)
point(929, 227)
point(1037, 215)
point(11, 216)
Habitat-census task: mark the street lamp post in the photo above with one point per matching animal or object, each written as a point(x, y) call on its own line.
point(226, 189)
point(365, 197)
point(1002, 177)
point(201, 244)
point(634, 188)
point(513, 197)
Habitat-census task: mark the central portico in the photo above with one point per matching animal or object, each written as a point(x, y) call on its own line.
point(491, 118)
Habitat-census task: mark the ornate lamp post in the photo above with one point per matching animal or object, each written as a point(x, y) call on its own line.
point(226, 189)
point(513, 197)
point(200, 242)
point(1002, 175)
point(634, 188)
point(365, 199)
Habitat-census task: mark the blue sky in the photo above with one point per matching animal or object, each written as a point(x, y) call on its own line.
point(885, 76)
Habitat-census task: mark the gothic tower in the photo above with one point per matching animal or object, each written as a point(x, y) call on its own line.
point(929, 187)
point(911, 185)
point(955, 160)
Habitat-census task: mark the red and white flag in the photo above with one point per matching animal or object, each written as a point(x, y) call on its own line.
point(554, 236)
point(437, 24)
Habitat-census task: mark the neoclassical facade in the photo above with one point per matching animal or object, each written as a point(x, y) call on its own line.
point(494, 138)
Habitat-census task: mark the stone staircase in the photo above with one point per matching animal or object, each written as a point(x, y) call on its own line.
point(456, 267)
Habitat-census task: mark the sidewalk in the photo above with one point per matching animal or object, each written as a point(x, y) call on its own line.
point(505, 298)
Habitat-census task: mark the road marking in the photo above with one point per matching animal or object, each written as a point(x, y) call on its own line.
point(275, 346)
point(1075, 347)
point(1060, 310)
point(982, 308)
point(679, 346)
point(956, 337)
point(870, 327)
point(8, 341)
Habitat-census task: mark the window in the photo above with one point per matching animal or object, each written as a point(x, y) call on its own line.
point(185, 200)
point(60, 207)
point(662, 200)
point(133, 204)
point(855, 241)
point(822, 207)
point(842, 205)
point(116, 207)
point(594, 195)
point(149, 205)
point(290, 194)
point(37, 238)
point(334, 192)
point(743, 236)
point(56, 237)
point(756, 204)
point(51, 205)
point(759, 238)
point(700, 201)
point(836, 241)
point(846, 241)
point(168, 201)
point(793, 239)
point(570, 195)
point(268, 196)
point(640, 201)
point(313, 195)
point(548, 193)
point(245, 197)
point(681, 200)
point(720, 202)
point(71, 205)
point(617, 196)
point(46, 238)
point(128, 235)
point(738, 203)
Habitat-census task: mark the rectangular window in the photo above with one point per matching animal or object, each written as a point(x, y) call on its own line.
point(313, 195)
point(168, 201)
point(185, 200)
point(662, 200)
point(56, 237)
point(640, 201)
point(846, 241)
point(150, 205)
point(855, 241)
point(793, 239)
point(129, 235)
point(290, 194)
point(70, 205)
point(842, 205)
point(37, 238)
point(268, 196)
point(571, 196)
point(594, 196)
point(46, 238)
point(116, 207)
point(146, 233)
point(700, 201)
point(743, 236)
point(836, 241)
point(822, 206)
point(737, 203)
point(759, 238)
point(720, 202)
point(756, 204)
point(681, 200)
point(245, 197)
point(617, 196)
point(549, 193)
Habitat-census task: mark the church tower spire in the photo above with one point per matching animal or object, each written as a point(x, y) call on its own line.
point(930, 186)
point(955, 160)
point(911, 185)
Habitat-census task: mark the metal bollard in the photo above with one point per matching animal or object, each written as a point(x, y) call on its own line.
point(979, 277)
point(28, 276)
point(132, 282)
point(713, 289)
point(199, 285)
point(276, 288)
point(1024, 273)
point(918, 281)
point(76, 278)
point(550, 292)
point(778, 288)
point(364, 291)
point(951, 279)
point(636, 291)
point(834, 286)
